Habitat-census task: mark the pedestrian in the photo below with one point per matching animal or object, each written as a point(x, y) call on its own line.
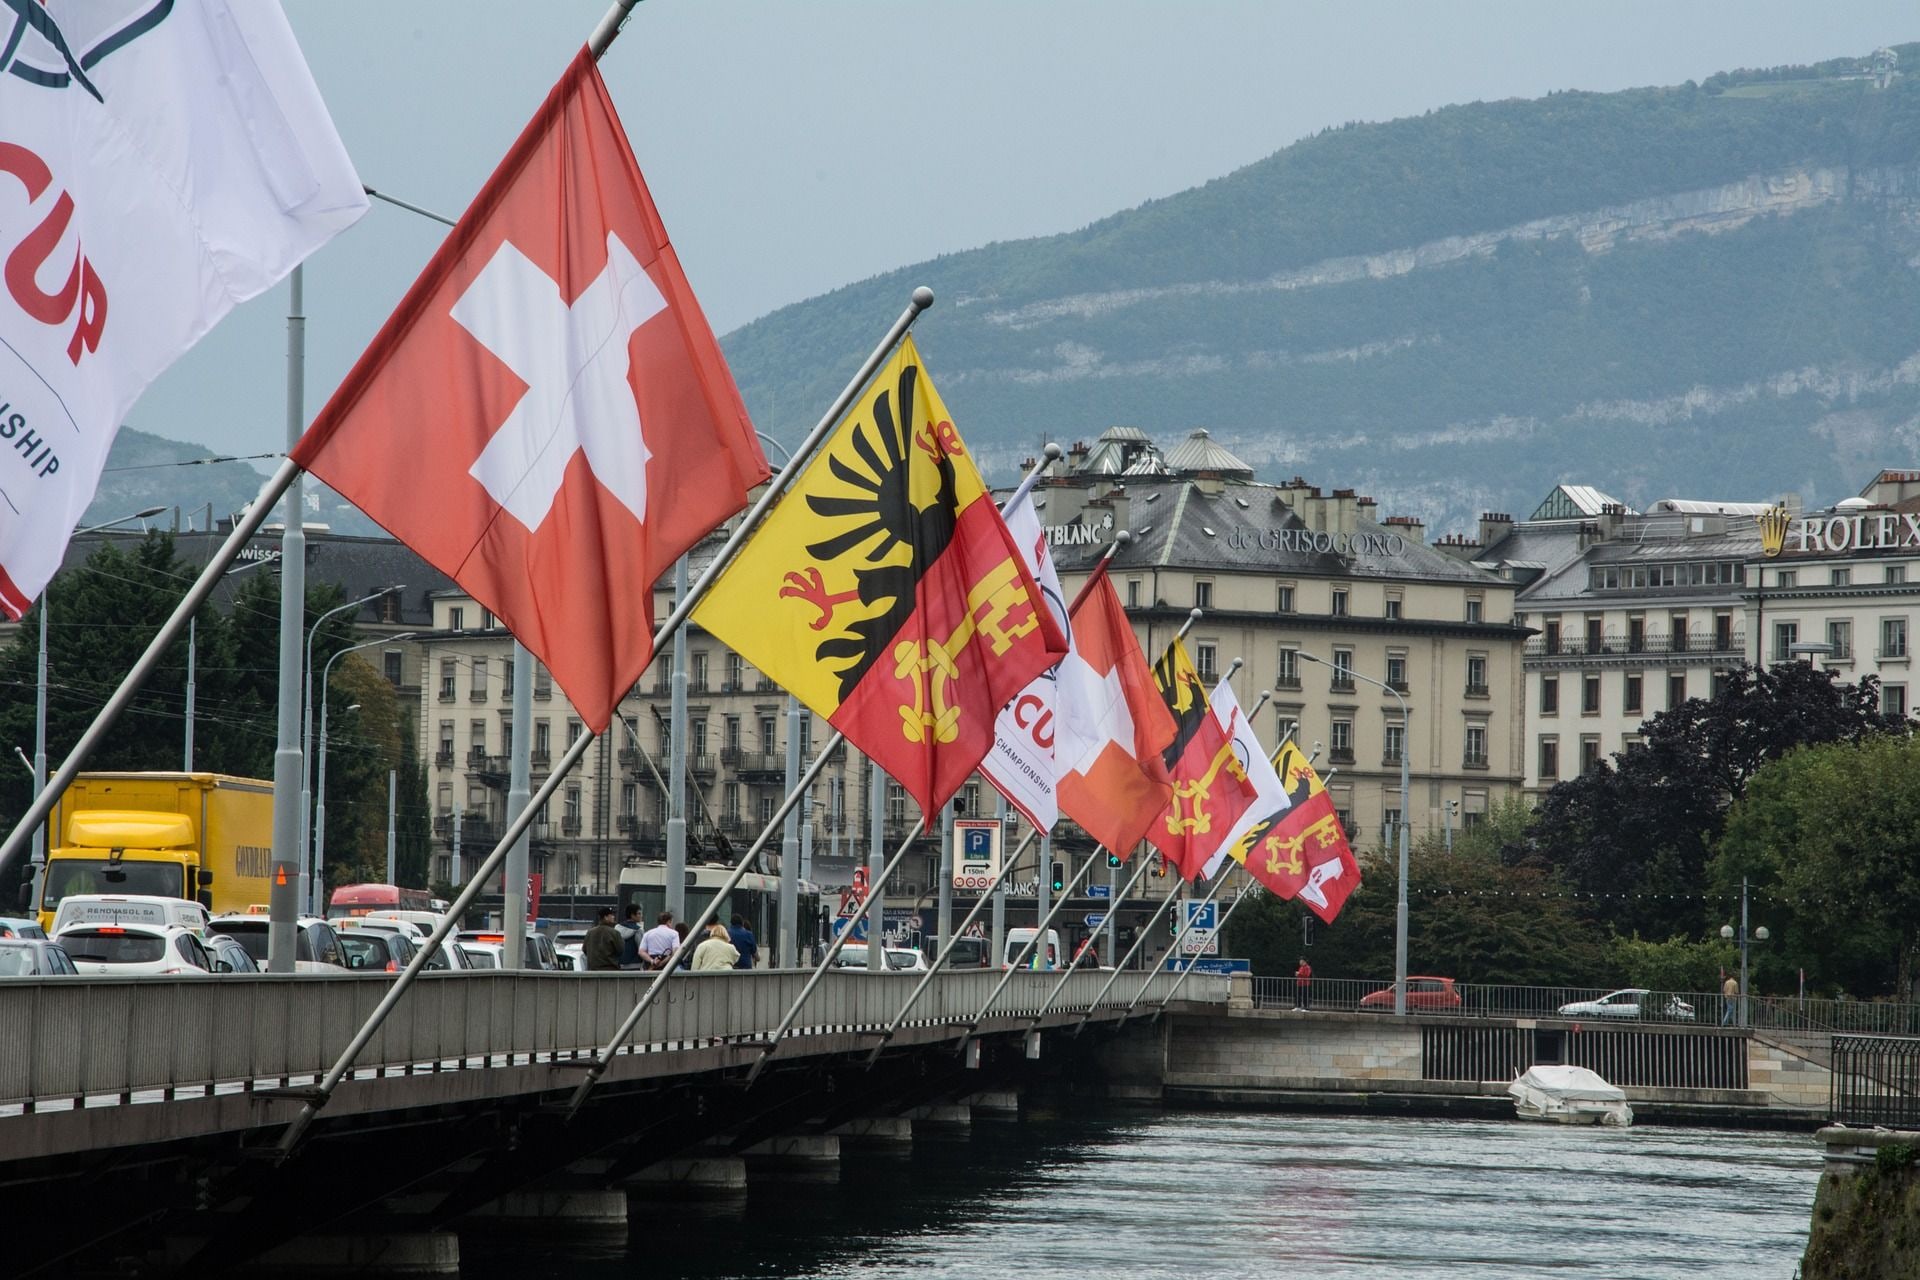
point(743, 942)
point(601, 946)
point(680, 929)
point(1303, 986)
point(716, 950)
point(630, 931)
point(657, 943)
point(1729, 999)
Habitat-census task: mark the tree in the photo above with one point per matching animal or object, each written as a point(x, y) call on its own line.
point(1646, 822)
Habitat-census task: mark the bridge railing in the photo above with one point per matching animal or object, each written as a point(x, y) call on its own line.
point(1875, 1080)
point(119, 1038)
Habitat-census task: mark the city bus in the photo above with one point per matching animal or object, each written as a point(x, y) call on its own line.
point(756, 899)
point(359, 899)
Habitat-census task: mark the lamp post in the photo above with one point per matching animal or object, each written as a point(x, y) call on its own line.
point(306, 727)
point(1406, 747)
point(320, 810)
point(1760, 934)
point(39, 862)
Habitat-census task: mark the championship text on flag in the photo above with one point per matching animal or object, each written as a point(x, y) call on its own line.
point(1112, 725)
point(1022, 764)
point(159, 165)
point(1301, 851)
point(1210, 785)
point(885, 592)
point(546, 417)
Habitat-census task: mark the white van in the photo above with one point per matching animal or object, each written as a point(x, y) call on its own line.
point(1017, 939)
point(130, 908)
point(425, 921)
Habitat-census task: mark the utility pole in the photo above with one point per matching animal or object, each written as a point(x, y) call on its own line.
point(677, 763)
point(393, 790)
point(513, 895)
point(286, 889)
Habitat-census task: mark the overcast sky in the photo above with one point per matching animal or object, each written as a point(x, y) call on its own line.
point(794, 147)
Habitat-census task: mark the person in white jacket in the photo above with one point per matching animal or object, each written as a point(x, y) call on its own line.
point(717, 951)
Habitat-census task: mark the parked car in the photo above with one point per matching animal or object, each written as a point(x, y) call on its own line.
point(317, 947)
point(538, 952)
point(1428, 993)
point(567, 948)
point(371, 951)
point(129, 908)
point(21, 927)
point(480, 955)
point(123, 950)
point(970, 953)
point(228, 955)
point(33, 958)
point(1632, 1002)
point(447, 958)
point(899, 959)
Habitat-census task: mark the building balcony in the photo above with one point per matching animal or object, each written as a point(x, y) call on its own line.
point(570, 826)
point(1340, 686)
point(477, 695)
point(476, 757)
point(761, 766)
point(701, 765)
point(443, 757)
point(1340, 755)
point(1653, 646)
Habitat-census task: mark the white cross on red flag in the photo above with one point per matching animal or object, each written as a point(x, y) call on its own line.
point(546, 416)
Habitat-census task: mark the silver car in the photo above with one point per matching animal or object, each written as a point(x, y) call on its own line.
point(1630, 1002)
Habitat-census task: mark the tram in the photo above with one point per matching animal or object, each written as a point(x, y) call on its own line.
point(756, 899)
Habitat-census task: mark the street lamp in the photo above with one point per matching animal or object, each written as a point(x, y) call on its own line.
point(1406, 744)
point(306, 723)
point(1808, 650)
point(39, 862)
point(1760, 934)
point(320, 813)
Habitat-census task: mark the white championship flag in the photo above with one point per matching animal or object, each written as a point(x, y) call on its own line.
point(1270, 796)
point(1022, 764)
point(161, 161)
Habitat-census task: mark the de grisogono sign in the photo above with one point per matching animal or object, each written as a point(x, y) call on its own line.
point(1302, 541)
point(1836, 534)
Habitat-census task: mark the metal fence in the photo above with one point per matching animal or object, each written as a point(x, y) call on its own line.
point(98, 1041)
point(1875, 1080)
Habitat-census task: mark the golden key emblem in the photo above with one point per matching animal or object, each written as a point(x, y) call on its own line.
point(999, 610)
point(1188, 814)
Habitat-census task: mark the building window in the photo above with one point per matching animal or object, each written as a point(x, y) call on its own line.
point(542, 741)
point(1786, 578)
point(1893, 700)
point(1631, 703)
point(1476, 675)
point(1722, 632)
point(456, 619)
point(1393, 608)
point(697, 671)
point(1840, 578)
point(629, 800)
point(1203, 595)
point(1288, 675)
point(506, 677)
point(730, 734)
point(542, 681)
point(1636, 635)
point(1785, 636)
point(396, 666)
point(1283, 602)
point(1476, 753)
point(1840, 636)
point(1676, 688)
point(1204, 658)
point(477, 692)
point(1342, 671)
point(506, 737)
point(1476, 609)
point(736, 672)
point(806, 733)
point(1339, 602)
point(1552, 639)
point(1893, 638)
point(769, 738)
point(1589, 754)
point(1595, 635)
point(574, 729)
point(1896, 574)
point(1677, 633)
point(446, 679)
point(767, 802)
point(1133, 593)
point(1342, 742)
point(570, 812)
point(446, 742)
point(1397, 671)
point(1549, 759)
point(1590, 695)
point(1549, 695)
point(730, 803)
point(1396, 743)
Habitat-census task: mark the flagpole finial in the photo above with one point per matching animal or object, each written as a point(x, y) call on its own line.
point(1053, 452)
point(922, 298)
point(1194, 615)
point(1234, 666)
point(1123, 537)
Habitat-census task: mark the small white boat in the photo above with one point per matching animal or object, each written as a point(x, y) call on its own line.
point(1569, 1095)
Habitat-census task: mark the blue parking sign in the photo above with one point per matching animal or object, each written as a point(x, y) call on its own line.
point(976, 843)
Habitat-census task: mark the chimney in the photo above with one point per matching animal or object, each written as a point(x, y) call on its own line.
point(1458, 546)
point(1210, 482)
point(1342, 506)
point(1494, 525)
point(1412, 528)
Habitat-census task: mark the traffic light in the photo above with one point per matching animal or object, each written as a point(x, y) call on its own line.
point(1059, 875)
point(1159, 864)
point(1113, 860)
point(1173, 919)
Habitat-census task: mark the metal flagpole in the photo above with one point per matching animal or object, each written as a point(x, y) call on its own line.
point(677, 730)
point(1020, 961)
point(876, 867)
point(393, 847)
point(598, 1066)
point(863, 911)
point(1146, 931)
point(1252, 891)
point(513, 889)
point(289, 878)
point(999, 926)
point(1219, 883)
point(946, 948)
point(317, 1097)
point(454, 867)
point(1061, 985)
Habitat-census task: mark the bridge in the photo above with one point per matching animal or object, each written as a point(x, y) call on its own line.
point(139, 1117)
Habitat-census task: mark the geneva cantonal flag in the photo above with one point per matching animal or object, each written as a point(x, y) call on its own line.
point(1022, 765)
point(886, 592)
point(160, 163)
point(546, 416)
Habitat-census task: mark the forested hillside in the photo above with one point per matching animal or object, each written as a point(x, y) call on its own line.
point(1710, 290)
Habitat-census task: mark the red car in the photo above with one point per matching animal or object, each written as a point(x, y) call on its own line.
point(1422, 993)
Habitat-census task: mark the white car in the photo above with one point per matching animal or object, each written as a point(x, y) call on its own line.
point(125, 950)
point(317, 950)
point(481, 955)
point(450, 956)
point(899, 959)
point(1629, 1003)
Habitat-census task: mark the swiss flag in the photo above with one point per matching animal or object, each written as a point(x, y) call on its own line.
point(546, 416)
point(1113, 725)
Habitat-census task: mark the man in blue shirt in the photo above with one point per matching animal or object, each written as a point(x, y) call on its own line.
point(744, 942)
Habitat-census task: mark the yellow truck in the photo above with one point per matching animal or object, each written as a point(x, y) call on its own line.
point(202, 836)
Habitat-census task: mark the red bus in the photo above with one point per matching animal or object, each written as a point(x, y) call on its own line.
point(359, 899)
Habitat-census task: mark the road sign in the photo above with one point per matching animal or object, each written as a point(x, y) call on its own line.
point(1095, 919)
point(1202, 915)
point(1208, 965)
point(1100, 891)
point(976, 852)
point(1200, 942)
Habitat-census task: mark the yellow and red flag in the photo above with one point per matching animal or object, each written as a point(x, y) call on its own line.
point(1211, 789)
point(885, 592)
point(1300, 850)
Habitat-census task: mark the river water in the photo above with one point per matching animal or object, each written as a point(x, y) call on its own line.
point(1133, 1195)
